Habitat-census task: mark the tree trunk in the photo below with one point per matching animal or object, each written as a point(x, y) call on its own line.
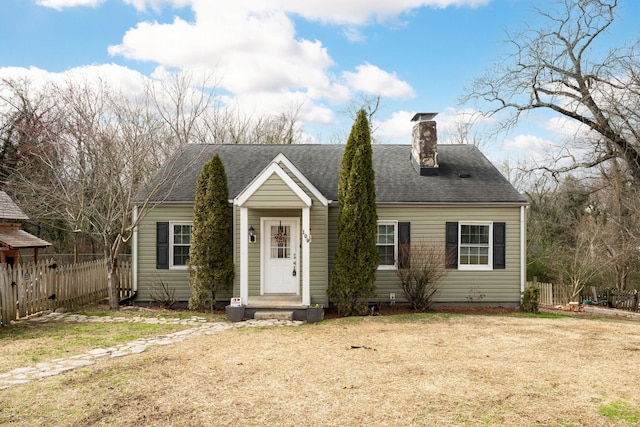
point(622, 276)
point(114, 285)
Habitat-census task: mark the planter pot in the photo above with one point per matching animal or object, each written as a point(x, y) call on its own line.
point(235, 313)
point(315, 314)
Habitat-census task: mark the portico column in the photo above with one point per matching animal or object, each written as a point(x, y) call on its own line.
point(306, 258)
point(244, 255)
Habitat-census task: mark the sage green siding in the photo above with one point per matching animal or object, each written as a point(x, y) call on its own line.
point(176, 279)
point(274, 192)
point(428, 224)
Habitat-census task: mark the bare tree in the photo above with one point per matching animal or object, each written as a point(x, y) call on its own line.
point(464, 129)
point(102, 149)
point(370, 104)
point(617, 206)
point(22, 111)
point(578, 267)
point(563, 68)
point(183, 104)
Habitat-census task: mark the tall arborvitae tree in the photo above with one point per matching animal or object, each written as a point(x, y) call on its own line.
point(356, 259)
point(210, 256)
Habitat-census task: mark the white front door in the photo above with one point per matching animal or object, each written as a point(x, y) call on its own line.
point(280, 256)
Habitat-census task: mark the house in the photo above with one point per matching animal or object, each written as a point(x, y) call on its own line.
point(285, 207)
point(12, 238)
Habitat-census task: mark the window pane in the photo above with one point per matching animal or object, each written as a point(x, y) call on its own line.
point(280, 241)
point(182, 234)
point(470, 255)
point(180, 255)
point(385, 234)
point(474, 234)
point(385, 241)
point(386, 255)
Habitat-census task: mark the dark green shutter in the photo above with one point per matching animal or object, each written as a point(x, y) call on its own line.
point(162, 245)
point(404, 244)
point(451, 244)
point(499, 245)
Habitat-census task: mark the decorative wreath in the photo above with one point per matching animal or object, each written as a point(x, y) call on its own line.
point(280, 236)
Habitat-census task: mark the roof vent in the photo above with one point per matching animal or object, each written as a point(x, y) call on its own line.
point(464, 175)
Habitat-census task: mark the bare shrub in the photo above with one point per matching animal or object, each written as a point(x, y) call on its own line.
point(420, 273)
point(163, 294)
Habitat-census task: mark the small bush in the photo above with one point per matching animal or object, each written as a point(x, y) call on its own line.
point(421, 275)
point(530, 300)
point(163, 294)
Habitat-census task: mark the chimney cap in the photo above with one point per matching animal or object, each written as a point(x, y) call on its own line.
point(421, 117)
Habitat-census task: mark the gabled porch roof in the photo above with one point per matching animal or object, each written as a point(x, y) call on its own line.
point(276, 168)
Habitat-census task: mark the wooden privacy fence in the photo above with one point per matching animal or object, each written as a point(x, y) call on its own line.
point(29, 288)
point(551, 294)
point(623, 300)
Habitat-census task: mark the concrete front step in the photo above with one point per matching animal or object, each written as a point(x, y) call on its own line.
point(273, 315)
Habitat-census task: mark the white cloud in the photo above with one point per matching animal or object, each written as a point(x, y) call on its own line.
point(528, 142)
point(371, 79)
point(353, 34)
point(142, 5)
point(360, 12)
point(120, 78)
point(396, 129)
point(564, 126)
point(63, 4)
point(250, 50)
point(352, 12)
point(526, 146)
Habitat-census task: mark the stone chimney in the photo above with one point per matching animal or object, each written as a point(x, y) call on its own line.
point(424, 152)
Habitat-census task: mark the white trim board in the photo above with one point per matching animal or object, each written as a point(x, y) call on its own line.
point(275, 168)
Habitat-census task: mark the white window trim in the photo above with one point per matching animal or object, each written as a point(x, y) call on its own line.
point(476, 267)
point(395, 244)
point(171, 244)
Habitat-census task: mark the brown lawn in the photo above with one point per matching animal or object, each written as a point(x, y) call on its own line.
point(469, 370)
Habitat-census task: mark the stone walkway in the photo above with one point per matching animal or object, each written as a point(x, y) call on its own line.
point(201, 326)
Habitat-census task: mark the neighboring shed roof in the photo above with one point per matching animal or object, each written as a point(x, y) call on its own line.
point(20, 239)
point(465, 174)
point(8, 209)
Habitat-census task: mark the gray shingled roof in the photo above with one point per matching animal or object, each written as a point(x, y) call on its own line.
point(8, 209)
point(396, 179)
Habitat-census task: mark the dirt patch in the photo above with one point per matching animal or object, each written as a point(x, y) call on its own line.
point(376, 370)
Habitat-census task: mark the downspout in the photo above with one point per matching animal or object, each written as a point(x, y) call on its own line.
point(134, 260)
point(523, 249)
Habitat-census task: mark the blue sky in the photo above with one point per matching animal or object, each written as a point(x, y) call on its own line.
point(268, 55)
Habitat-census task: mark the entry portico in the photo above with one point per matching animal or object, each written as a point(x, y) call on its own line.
point(278, 201)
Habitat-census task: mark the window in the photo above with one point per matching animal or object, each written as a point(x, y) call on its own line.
point(475, 244)
point(386, 241)
point(478, 245)
point(180, 239)
point(280, 241)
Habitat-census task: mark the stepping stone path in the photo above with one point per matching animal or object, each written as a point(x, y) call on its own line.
point(201, 326)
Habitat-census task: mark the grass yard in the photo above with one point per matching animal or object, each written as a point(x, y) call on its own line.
point(421, 370)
